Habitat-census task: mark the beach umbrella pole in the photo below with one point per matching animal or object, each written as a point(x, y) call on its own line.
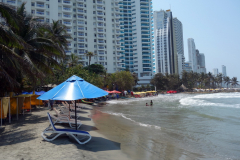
point(75, 115)
point(17, 108)
point(1, 112)
point(30, 105)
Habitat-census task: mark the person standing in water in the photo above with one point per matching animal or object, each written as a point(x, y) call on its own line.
point(151, 103)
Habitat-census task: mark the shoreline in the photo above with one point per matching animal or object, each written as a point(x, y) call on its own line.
point(22, 140)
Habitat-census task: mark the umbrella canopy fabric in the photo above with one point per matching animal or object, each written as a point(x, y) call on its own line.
point(108, 91)
point(114, 91)
point(73, 88)
point(37, 93)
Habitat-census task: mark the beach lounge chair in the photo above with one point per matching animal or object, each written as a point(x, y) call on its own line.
point(65, 113)
point(66, 119)
point(72, 108)
point(76, 134)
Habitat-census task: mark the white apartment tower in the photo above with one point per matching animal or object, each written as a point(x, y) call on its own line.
point(224, 71)
point(163, 38)
point(215, 71)
point(168, 34)
point(192, 54)
point(119, 32)
point(178, 45)
point(202, 63)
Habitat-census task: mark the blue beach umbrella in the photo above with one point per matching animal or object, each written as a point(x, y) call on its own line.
point(73, 88)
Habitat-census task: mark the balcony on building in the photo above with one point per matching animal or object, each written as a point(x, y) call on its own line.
point(80, 5)
point(39, 5)
point(66, 2)
point(67, 16)
point(101, 58)
point(67, 23)
point(99, 8)
point(80, 28)
point(40, 12)
point(144, 1)
point(100, 13)
point(101, 52)
point(79, 16)
point(81, 23)
point(101, 41)
point(99, 2)
point(67, 9)
point(101, 35)
point(69, 30)
point(81, 51)
point(80, 45)
point(80, 10)
point(101, 47)
point(80, 39)
point(40, 19)
point(100, 24)
point(100, 19)
point(100, 30)
point(80, 34)
point(11, 2)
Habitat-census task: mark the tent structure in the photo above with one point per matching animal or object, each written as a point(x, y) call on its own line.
point(74, 88)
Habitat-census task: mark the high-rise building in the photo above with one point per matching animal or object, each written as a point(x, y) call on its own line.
point(178, 46)
point(192, 54)
point(224, 71)
point(198, 60)
point(163, 38)
point(215, 71)
point(187, 66)
point(118, 32)
point(202, 63)
point(168, 34)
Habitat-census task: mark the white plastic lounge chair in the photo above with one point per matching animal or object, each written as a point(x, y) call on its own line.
point(76, 134)
point(72, 108)
point(66, 119)
point(65, 113)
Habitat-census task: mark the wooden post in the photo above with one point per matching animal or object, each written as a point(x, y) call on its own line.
point(1, 112)
point(9, 114)
point(17, 108)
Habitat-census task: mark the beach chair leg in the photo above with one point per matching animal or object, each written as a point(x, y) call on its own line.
point(75, 136)
point(50, 139)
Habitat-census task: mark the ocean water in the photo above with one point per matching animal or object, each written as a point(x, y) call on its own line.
point(182, 126)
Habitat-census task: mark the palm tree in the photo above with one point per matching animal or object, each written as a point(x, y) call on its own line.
point(219, 78)
point(227, 80)
point(26, 50)
point(89, 55)
point(209, 78)
point(201, 79)
point(73, 59)
point(234, 81)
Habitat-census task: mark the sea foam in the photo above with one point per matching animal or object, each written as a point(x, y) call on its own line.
point(138, 123)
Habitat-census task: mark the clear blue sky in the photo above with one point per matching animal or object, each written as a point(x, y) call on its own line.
point(215, 27)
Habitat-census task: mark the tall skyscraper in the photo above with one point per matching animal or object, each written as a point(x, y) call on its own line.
point(215, 71)
point(224, 71)
point(192, 54)
point(178, 46)
point(118, 32)
point(168, 34)
point(202, 63)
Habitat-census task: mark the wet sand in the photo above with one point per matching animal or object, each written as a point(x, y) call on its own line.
point(22, 140)
point(137, 141)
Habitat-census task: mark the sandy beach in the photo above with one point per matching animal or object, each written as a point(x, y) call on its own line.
point(22, 140)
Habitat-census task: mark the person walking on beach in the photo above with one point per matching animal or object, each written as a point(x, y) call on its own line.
point(147, 104)
point(151, 103)
point(51, 104)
